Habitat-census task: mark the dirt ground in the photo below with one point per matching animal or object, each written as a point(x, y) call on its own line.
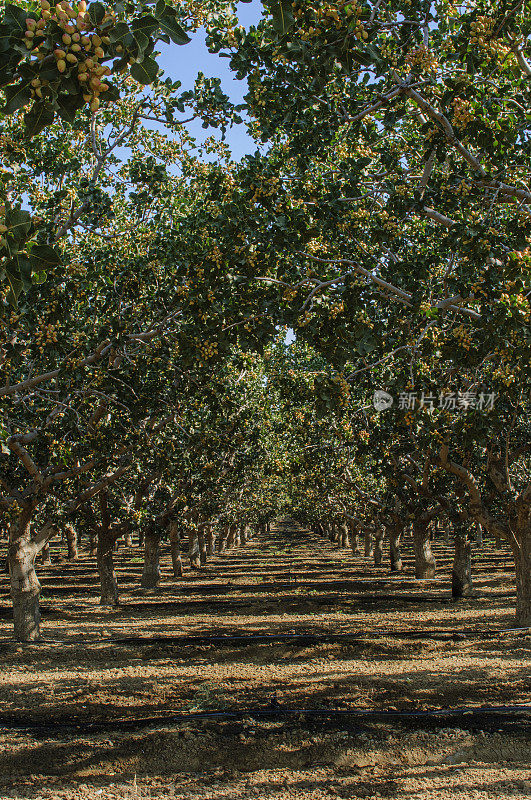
point(289, 581)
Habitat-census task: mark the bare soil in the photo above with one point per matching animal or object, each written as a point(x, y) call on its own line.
point(289, 581)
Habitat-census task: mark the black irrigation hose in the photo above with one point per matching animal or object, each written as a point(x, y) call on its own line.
point(237, 639)
point(465, 714)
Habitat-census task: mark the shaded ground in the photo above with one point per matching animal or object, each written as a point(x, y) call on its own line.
point(288, 581)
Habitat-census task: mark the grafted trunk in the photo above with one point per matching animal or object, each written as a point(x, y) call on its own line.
point(201, 541)
point(231, 538)
point(479, 534)
point(210, 540)
point(151, 570)
point(46, 558)
point(462, 566)
point(378, 545)
point(25, 586)
point(105, 561)
point(71, 542)
point(175, 549)
point(354, 539)
point(395, 534)
point(223, 538)
point(237, 531)
point(193, 550)
point(521, 546)
point(343, 538)
point(105, 557)
point(424, 558)
point(368, 543)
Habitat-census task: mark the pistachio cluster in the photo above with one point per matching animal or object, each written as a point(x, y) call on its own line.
point(463, 336)
point(79, 49)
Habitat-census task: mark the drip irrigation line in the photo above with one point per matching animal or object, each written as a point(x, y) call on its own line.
point(238, 640)
point(476, 714)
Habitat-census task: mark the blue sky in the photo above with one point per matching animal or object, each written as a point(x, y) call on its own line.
point(183, 63)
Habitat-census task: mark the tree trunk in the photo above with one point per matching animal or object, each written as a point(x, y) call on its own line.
point(128, 539)
point(355, 540)
point(343, 539)
point(211, 541)
point(243, 534)
point(151, 569)
point(193, 550)
point(202, 545)
point(479, 535)
point(395, 533)
point(378, 545)
point(25, 586)
point(369, 544)
point(222, 539)
point(521, 545)
point(93, 543)
point(333, 533)
point(462, 566)
point(175, 549)
point(46, 558)
point(105, 558)
point(71, 542)
point(424, 558)
point(237, 531)
point(231, 536)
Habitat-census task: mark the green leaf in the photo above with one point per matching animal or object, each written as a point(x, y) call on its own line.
point(68, 105)
point(16, 96)
point(15, 17)
point(40, 116)
point(282, 13)
point(20, 267)
point(43, 256)
point(121, 33)
point(145, 72)
point(141, 40)
point(168, 24)
point(15, 288)
point(96, 13)
point(146, 25)
point(18, 222)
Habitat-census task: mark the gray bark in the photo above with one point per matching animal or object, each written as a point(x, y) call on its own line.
point(378, 545)
point(71, 542)
point(25, 586)
point(151, 570)
point(193, 550)
point(462, 566)
point(175, 549)
point(369, 544)
point(424, 558)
